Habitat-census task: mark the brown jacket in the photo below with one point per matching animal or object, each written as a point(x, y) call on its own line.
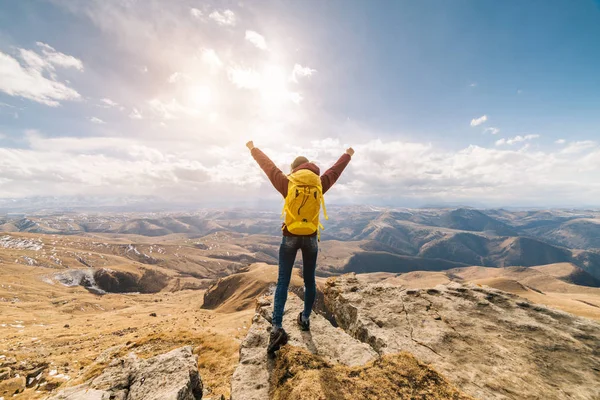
point(280, 180)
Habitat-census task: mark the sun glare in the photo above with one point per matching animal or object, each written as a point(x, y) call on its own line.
point(199, 96)
point(273, 89)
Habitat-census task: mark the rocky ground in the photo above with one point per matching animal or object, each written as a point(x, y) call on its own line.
point(173, 375)
point(551, 285)
point(327, 363)
point(489, 343)
point(451, 341)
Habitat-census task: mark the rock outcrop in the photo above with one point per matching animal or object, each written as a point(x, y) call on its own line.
point(169, 376)
point(252, 376)
point(489, 343)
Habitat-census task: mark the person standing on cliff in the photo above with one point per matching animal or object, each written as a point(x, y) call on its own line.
point(302, 191)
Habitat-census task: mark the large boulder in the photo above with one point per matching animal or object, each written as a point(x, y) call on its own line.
point(489, 343)
point(170, 376)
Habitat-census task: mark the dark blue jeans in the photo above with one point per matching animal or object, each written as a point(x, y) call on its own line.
point(287, 255)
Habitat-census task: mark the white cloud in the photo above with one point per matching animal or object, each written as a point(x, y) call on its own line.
point(296, 97)
point(177, 77)
point(479, 121)
point(35, 61)
point(98, 165)
point(300, 71)
point(135, 114)
point(578, 147)
point(516, 139)
point(244, 78)
point(171, 109)
point(492, 130)
point(425, 173)
point(256, 39)
point(560, 141)
point(473, 84)
point(493, 176)
point(108, 102)
point(195, 13)
point(226, 17)
point(60, 59)
point(210, 57)
point(270, 84)
point(36, 78)
point(96, 120)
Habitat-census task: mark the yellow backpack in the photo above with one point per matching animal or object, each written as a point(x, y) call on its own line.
point(302, 204)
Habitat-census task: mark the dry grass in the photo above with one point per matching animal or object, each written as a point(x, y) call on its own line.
point(217, 358)
point(217, 354)
point(101, 328)
point(300, 375)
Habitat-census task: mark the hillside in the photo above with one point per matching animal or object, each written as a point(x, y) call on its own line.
point(569, 273)
point(69, 304)
point(464, 236)
point(579, 233)
point(473, 220)
point(65, 335)
point(239, 291)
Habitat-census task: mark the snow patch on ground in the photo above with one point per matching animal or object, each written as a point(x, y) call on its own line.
point(78, 277)
point(132, 248)
point(30, 261)
point(11, 242)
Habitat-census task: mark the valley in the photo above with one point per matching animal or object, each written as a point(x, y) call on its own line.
point(77, 290)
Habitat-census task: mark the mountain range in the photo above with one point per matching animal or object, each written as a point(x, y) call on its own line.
point(369, 239)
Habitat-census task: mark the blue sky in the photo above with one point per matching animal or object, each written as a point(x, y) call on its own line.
point(474, 102)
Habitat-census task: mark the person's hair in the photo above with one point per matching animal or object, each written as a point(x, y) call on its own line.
point(298, 162)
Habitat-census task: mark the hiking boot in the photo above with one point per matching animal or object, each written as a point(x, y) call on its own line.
point(304, 326)
point(277, 339)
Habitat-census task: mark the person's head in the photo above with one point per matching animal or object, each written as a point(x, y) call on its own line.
point(298, 162)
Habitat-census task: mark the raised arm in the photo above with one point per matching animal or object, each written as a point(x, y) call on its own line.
point(277, 178)
point(332, 174)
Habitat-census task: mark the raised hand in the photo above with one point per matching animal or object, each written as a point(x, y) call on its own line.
point(350, 151)
point(250, 145)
